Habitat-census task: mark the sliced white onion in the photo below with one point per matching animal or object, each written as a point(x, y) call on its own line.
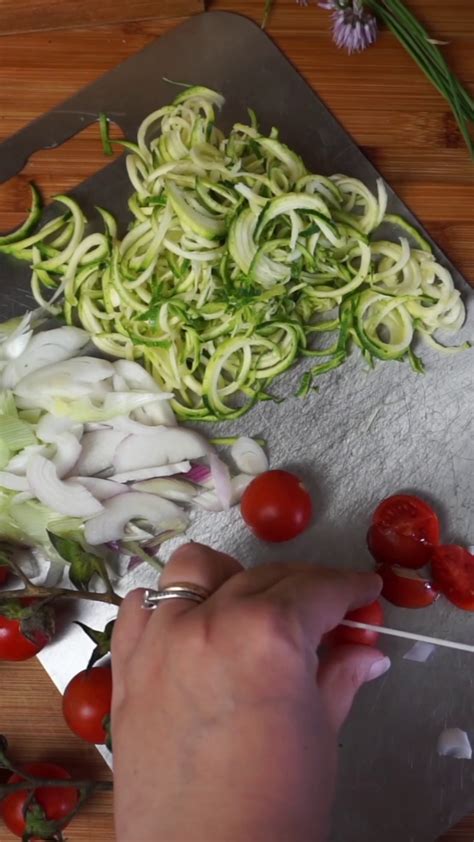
point(102, 489)
point(166, 446)
point(13, 482)
point(44, 349)
point(18, 463)
point(209, 501)
point(64, 497)
point(129, 426)
point(119, 384)
point(172, 489)
point(97, 451)
point(222, 482)
point(137, 378)
point(152, 473)
point(453, 742)
point(16, 345)
point(68, 450)
point(248, 456)
point(49, 427)
point(110, 524)
point(68, 379)
point(419, 652)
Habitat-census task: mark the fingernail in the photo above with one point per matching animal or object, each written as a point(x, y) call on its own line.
point(378, 668)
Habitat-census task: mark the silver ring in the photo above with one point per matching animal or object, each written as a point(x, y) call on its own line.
point(176, 590)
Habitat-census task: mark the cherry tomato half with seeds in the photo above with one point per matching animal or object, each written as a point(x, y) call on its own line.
point(24, 631)
point(276, 506)
point(404, 528)
point(453, 573)
point(372, 614)
point(55, 803)
point(406, 588)
point(86, 704)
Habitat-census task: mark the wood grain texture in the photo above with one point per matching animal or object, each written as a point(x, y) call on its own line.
point(33, 15)
point(380, 97)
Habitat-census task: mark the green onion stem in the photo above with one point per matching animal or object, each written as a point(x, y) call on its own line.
point(415, 39)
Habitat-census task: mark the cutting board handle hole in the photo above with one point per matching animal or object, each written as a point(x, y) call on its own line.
point(56, 170)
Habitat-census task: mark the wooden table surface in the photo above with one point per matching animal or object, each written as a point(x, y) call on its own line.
point(397, 118)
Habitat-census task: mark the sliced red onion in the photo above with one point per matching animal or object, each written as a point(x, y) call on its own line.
point(453, 742)
point(134, 562)
point(222, 482)
point(110, 524)
point(419, 652)
point(98, 451)
point(152, 472)
point(167, 446)
point(248, 456)
point(102, 489)
point(199, 474)
point(64, 497)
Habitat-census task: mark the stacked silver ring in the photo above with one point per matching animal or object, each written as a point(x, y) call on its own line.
point(177, 590)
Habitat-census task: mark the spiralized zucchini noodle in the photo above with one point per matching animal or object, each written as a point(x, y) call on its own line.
point(237, 262)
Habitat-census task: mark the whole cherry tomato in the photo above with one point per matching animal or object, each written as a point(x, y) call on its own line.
point(276, 506)
point(86, 704)
point(55, 803)
point(25, 629)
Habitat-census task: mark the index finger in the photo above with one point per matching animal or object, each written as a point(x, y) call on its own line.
point(318, 597)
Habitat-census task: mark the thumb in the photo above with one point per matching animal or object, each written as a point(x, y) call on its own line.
point(343, 670)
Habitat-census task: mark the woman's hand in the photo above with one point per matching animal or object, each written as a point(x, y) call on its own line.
point(224, 719)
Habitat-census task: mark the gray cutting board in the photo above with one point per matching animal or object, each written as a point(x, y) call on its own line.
point(363, 436)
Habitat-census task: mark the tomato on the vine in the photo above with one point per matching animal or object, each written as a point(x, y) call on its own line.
point(403, 531)
point(372, 614)
point(87, 702)
point(276, 506)
point(25, 629)
point(406, 588)
point(50, 804)
point(453, 573)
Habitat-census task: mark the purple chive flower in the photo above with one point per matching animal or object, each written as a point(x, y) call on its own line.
point(353, 27)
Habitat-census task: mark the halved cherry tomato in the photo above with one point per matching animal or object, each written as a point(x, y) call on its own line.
point(405, 587)
point(403, 531)
point(56, 803)
point(372, 614)
point(276, 506)
point(453, 574)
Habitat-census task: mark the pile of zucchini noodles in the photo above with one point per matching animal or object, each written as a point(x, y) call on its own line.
point(237, 262)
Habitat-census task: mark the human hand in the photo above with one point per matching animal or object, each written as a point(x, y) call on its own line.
point(224, 718)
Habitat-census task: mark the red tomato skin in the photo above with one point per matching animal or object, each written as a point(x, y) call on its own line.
point(14, 646)
point(389, 547)
point(276, 506)
point(408, 515)
point(87, 701)
point(453, 573)
point(4, 573)
point(406, 591)
point(57, 803)
point(372, 614)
